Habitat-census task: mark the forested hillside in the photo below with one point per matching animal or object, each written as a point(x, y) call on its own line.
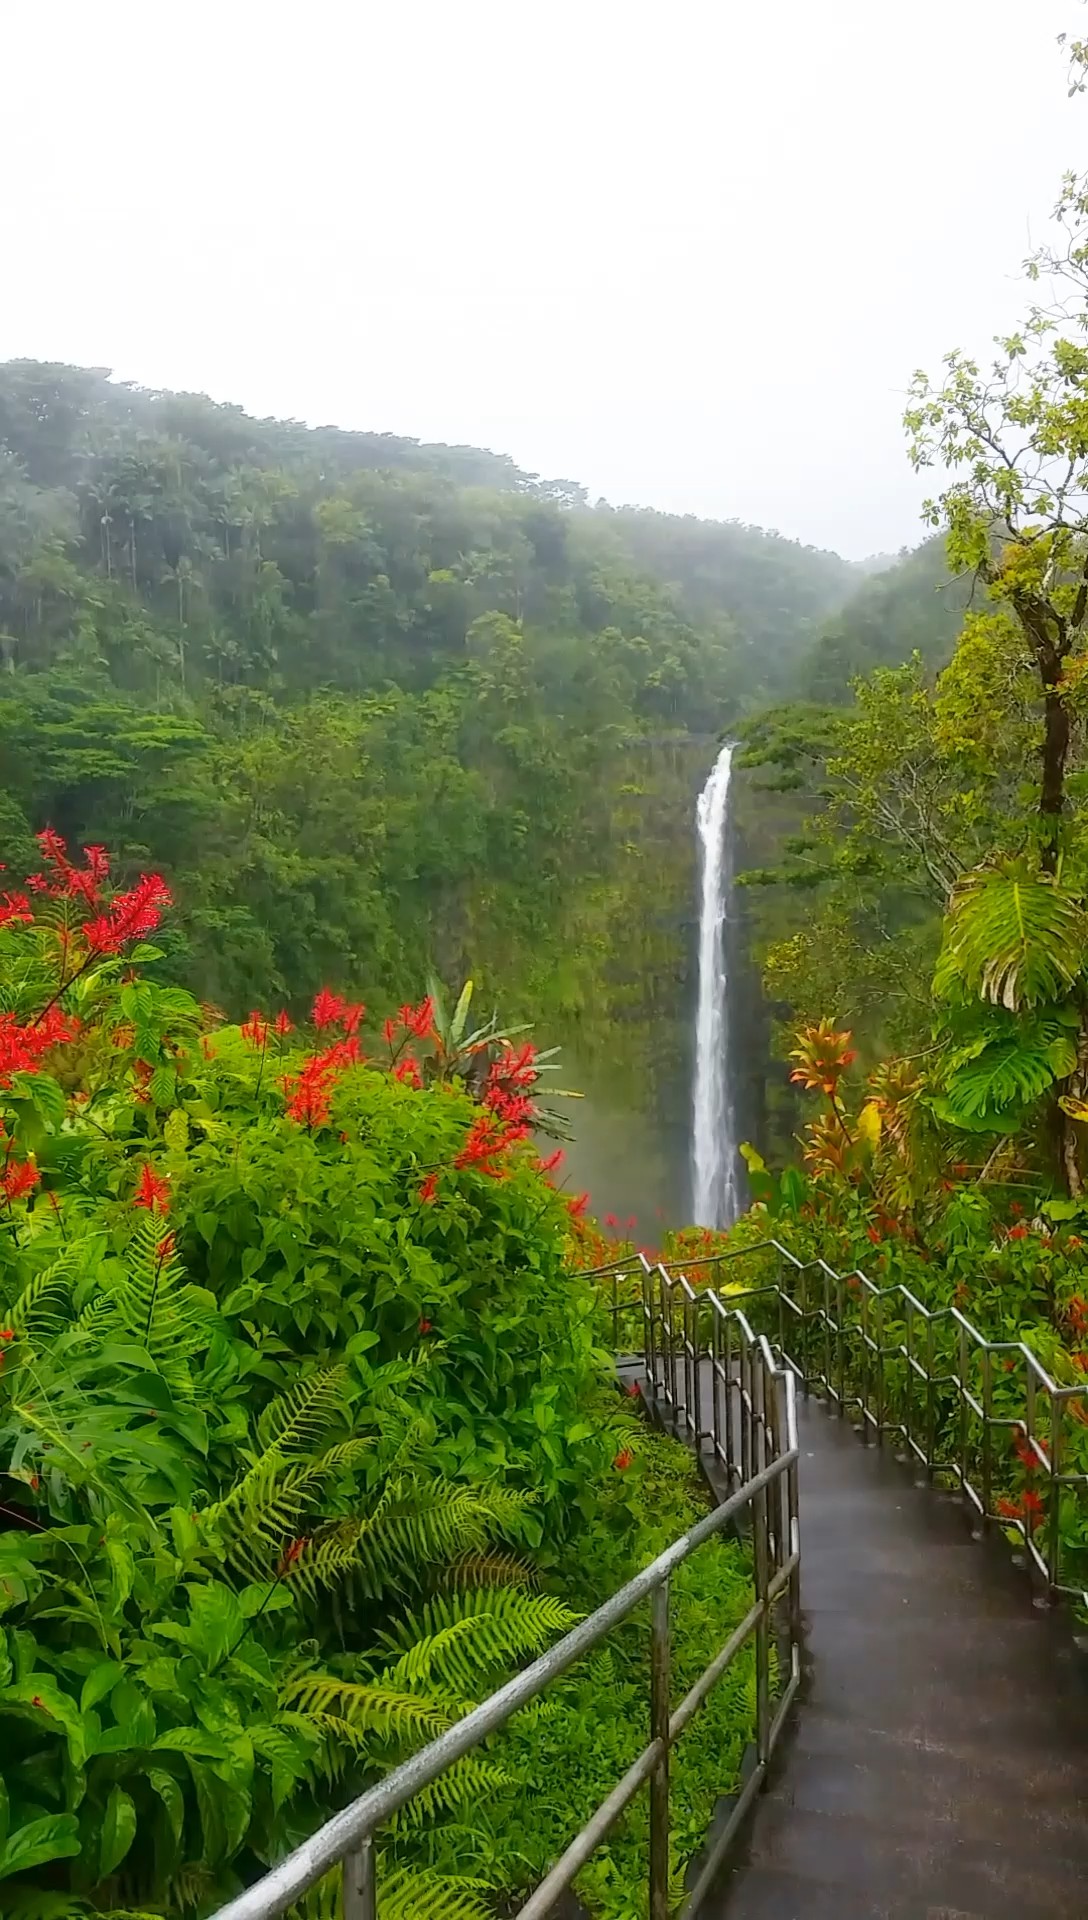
point(371, 703)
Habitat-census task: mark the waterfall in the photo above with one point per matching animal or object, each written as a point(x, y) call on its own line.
point(713, 1147)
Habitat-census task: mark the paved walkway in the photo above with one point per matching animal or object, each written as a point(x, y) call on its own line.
point(938, 1767)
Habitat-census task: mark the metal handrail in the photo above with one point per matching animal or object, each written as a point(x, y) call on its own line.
point(760, 1408)
point(924, 1376)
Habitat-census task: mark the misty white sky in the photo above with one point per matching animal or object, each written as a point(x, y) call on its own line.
point(688, 254)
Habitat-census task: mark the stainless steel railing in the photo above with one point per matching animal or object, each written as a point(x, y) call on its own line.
point(983, 1417)
point(749, 1397)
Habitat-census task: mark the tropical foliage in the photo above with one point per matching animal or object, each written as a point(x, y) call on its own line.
point(303, 1421)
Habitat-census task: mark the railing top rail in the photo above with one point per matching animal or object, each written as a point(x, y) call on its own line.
point(897, 1291)
point(293, 1876)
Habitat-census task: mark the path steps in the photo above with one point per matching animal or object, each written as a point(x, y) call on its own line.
point(938, 1764)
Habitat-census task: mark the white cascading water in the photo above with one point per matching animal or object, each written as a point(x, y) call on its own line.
point(713, 1148)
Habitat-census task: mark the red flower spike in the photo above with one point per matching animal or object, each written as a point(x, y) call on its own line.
point(407, 1071)
point(256, 1031)
point(152, 1191)
point(623, 1460)
point(1018, 1233)
point(292, 1554)
point(15, 906)
point(283, 1024)
point(19, 1178)
point(611, 1221)
point(576, 1207)
point(389, 1032)
point(166, 1248)
point(553, 1162)
point(131, 915)
point(428, 1190)
point(425, 1325)
point(328, 1009)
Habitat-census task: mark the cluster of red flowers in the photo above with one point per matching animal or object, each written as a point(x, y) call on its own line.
point(65, 881)
point(309, 1091)
point(329, 1010)
point(1028, 1507)
point(152, 1190)
point(257, 1029)
point(19, 1177)
point(130, 916)
point(415, 1023)
point(22, 1047)
point(407, 1071)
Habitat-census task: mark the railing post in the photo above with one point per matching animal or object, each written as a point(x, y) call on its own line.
point(659, 1730)
point(760, 1544)
point(360, 1883)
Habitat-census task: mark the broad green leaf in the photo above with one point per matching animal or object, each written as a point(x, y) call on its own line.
point(99, 1682)
point(56, 1837)
point(118, 1830)
point(171, 1796)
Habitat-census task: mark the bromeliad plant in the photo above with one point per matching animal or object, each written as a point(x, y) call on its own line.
point(292, 1376)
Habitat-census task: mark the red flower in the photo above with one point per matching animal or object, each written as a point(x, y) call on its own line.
point(166, 1248)
point(328, 1009)
point(389, 1032)
point(610, 1220)
point(54, 849)
point(291, 1555)
point(1018, 1233)
point(1032, 1504)
point(418, 1020)
point(874, 1235)
point(407, 1070)
point(1015, 1208)
point(256, 1031)
point(153, 1191)
point(15, 906)
point(630, 1223)
point(351, 1016)
point(283, 1024)
point(1009, 1509)
point(1025, 1452)
point(1080, 1361)
point(7, 1333)
point(130, 916)
point(428, 1189)
point(577, 1205)
point(19, 1178)
point(623, 1460)
point(425, 1325)
point(554, 1161)
point(634, 1390)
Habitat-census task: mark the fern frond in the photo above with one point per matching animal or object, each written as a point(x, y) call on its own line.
point(1013, 936)
point(378, 1708)
point(262, 1511)
point(404, 1893)
point(492, 1570)
point(154, 1304)
point(297, 1421)
point(461, 1640)
point(407, 1893)
point(44, 1304)
point(467, 1782)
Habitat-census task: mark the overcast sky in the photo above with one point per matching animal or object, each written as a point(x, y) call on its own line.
point(686, 253)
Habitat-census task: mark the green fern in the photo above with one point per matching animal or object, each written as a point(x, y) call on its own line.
point(262, 1512)
point(157, 1307)
point(366, 1708)
point(298, 1420)
point(467, 1782)
point(461, 1640)
point(1013, 936)
point(44, 1305)
point(404, 1893)
point(415, 1523)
